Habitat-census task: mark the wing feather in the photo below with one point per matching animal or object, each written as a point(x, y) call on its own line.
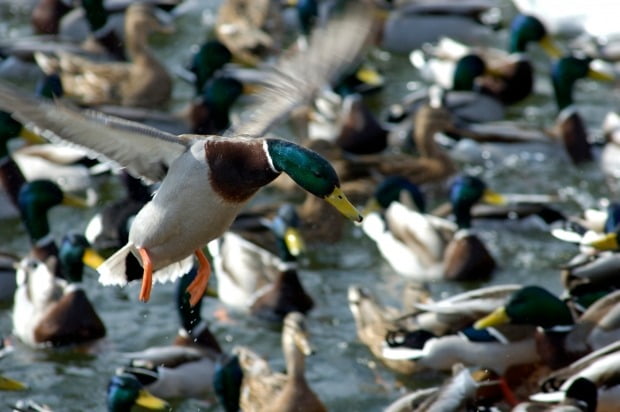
point(298, 78)
point(145, 151)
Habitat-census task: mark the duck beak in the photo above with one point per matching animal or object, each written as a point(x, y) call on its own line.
point(493, 198)
point(495, 318)
point(550, 47)
point(92, 259)
point(74, 201)
point(7, 384)
point(146, 400)
point(294, 241)
point(606, 242)
point(600, 75)
point(302, 342)
point(369, 76)
point(338, 200)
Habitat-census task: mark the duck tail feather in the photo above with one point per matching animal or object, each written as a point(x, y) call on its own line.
point(114, 270)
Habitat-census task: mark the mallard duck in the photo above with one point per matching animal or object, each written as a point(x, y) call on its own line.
point(125, 391)
point(424, 247)
point(373, 321)
point(234, 167)
point(599, 368)
point(408, 26)
point(509, 77)
point(49, 310)
point(253, 279)
point(143, 81)
point(265, 390)
point(188, 368)
point(562, 337)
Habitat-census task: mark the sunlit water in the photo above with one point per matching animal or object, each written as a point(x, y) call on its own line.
point(342, 372)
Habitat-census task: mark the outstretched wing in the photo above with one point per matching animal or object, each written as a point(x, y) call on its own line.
point(145, 151)
point(296, 79)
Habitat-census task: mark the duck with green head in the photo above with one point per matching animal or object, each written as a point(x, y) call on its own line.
point(425, 247)
point(563, 337)
point(252, 278)
point(206, 180)
point(125, 392)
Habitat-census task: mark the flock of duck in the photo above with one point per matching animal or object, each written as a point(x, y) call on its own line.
point(285, 97)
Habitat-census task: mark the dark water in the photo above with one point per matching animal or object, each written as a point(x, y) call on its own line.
point(342, 372)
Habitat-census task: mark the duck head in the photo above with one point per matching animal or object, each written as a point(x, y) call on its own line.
point(530, 305)
point(36, 198)
point(526, 29)
point(465, 192)
point(396, 189)
point(566, 71)
point(211, 114)
point(75, 252)
point(285, 227)
point(125, 391)
point(312, 172)
point(209, 58)
point(466, 70)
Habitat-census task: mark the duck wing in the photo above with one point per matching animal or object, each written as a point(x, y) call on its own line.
point(296, 80)
point(145, 151)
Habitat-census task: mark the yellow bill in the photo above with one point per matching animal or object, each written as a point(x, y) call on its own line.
point(74, 201)
point(600, 75)
point(338, 200)
point(606, 242)
point(495, 318)
point(550, 47)
point(92, 259)
point(369, 76)
point(7, 384)
point(493, 198)
point(146, 400)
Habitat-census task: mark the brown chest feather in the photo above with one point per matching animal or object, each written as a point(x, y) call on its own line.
point(237, 168)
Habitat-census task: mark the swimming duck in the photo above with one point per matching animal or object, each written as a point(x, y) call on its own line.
point(599, 368)
point(265, 390)
point(563, 337)
point(509, 77)
point(49, 310)
point(143, 81)
point(251, 278)
point(424, 247)
point(188, 368)
point(125, 391)
point(167, 247)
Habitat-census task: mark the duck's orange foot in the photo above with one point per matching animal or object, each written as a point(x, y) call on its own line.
point(198, 287)
point(147, 275)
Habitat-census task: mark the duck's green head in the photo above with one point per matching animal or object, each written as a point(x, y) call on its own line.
point(188, 315)
point(530, 305)
point(218, 97)
point(566, 71)
point(466, 70)
point(73, 253)
point(35, 199)
point(526, 29)
point(465, 192)
point(285, 227)
point(396, 189)
point(209, 58)
point(96, 13)
point(9, 128)
point(612, 223)
point(312, 172)
point(125, 391)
